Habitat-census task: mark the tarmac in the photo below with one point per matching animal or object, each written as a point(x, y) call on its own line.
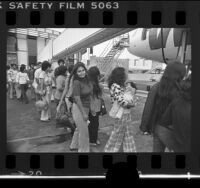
point(26, 133)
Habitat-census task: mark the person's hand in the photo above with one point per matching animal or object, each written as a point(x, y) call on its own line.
point(130, 105)
point(85, 116)
point(144, 133)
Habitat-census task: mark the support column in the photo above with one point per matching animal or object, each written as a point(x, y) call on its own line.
point(22, 51)
point(75, 58)
point(40, 45)
point(79, 56)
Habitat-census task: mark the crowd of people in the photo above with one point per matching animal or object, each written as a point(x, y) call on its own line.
point(79, 97)
point(18, 82)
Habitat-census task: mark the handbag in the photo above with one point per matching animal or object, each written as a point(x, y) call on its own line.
point(64, 118)
point(103, 110)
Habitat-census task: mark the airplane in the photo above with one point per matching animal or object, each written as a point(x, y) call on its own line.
point(161, 44)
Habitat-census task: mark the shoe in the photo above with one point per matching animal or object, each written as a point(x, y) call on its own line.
point(73, 149)
point(98, 142)
point(93, 144)
point(44, 120)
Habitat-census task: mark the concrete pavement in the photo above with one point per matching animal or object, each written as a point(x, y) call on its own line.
point(26, 133)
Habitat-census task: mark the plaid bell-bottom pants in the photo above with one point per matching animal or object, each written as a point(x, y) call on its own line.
point(122, 134)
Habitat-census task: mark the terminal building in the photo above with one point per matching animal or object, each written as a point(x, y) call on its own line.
point(25, 44)
point(102, 47)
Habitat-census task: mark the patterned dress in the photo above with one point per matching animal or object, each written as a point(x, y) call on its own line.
point(47, 80)
point(122, 133)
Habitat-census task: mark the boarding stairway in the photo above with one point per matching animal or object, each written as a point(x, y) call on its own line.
point(110, 60)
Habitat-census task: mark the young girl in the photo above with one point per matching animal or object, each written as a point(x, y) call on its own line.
point(122, 128)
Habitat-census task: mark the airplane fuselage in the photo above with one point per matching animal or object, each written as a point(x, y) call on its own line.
point(147, 43)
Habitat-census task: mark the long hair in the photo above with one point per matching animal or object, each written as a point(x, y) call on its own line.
point(93, 76)
point(117, 76)
point(186, 88)
point(74, 72)
point(70, 68)
point(170, 84)
point(62, 70)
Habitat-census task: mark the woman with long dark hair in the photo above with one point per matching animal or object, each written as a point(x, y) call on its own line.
point(159, 97)
point(81, 94)
point(67, 92)
point(60, 82)
point(122, 129)
point(94, 75)
point(174, 129)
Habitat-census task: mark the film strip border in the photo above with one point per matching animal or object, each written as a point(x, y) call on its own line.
point(107, 18)
point(130, 14)
point(133, 13)
point(98, 164)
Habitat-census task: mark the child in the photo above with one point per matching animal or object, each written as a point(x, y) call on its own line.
point(129, 95)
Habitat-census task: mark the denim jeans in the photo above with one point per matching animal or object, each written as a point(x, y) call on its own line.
point(24, 88)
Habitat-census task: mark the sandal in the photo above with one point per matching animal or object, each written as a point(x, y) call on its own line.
point(45, 120)
point(93, 144)
point(98, 142)
point(73, 149)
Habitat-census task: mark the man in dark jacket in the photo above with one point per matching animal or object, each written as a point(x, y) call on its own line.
point(174, 130)
point(160, 97)
point(149, 113)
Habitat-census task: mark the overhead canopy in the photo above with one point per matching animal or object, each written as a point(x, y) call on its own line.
point(98, 37)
